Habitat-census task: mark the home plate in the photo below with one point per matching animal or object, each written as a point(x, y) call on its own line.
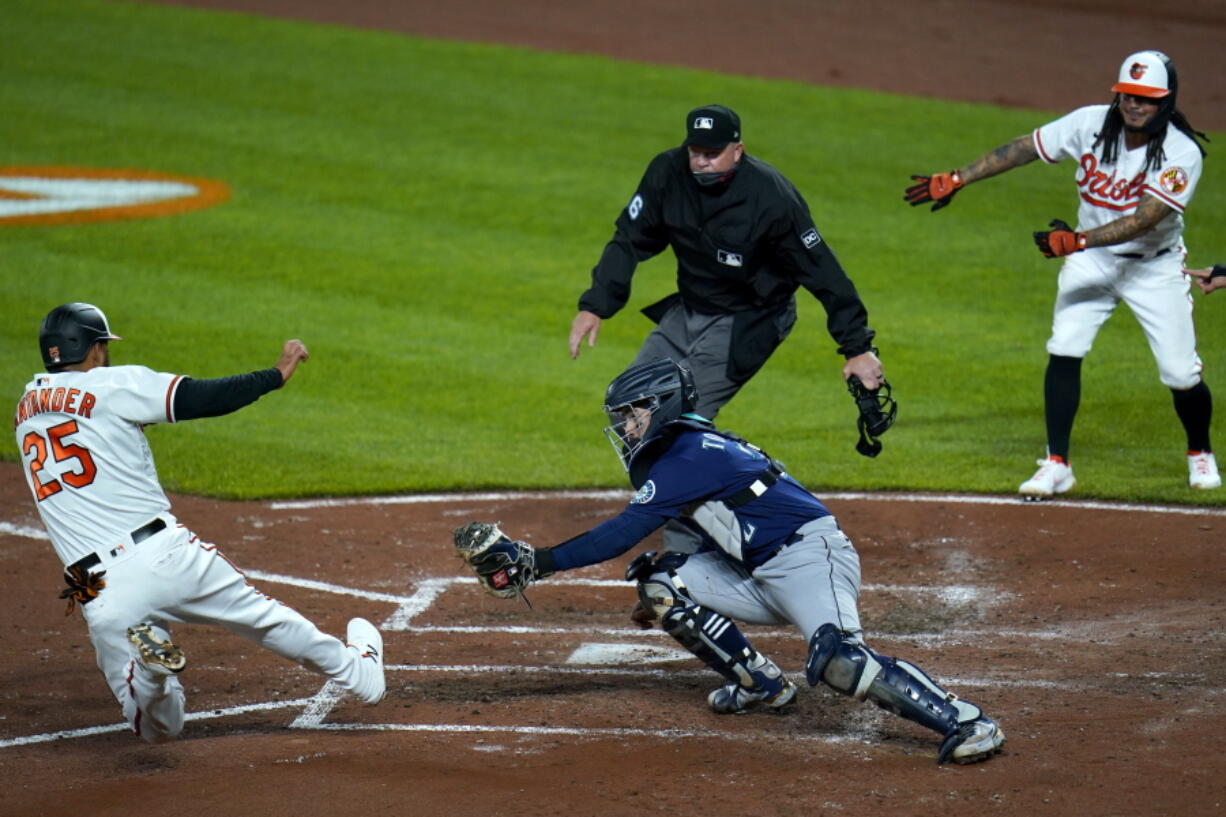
point(625, 654)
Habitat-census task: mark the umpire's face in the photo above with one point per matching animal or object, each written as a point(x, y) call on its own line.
point(715, 160)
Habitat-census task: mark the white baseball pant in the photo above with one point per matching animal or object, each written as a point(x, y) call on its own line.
point(173, 576)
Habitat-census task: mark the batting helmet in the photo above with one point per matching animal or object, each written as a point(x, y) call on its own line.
point(663, 387)
point(69, 331)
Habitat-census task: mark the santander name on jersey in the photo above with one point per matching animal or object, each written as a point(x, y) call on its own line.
point(1109, 191)
point(85, 456)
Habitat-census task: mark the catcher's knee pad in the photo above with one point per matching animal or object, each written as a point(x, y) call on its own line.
point(842, 663)
point(893, 684)
point(660, 588)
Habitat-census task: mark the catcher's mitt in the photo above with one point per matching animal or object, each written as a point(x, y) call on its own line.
point(504, 567)
point(877, 412)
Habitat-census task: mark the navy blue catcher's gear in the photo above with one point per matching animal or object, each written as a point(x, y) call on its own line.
point(663, 387)
point(68, 333)
point(902, 688)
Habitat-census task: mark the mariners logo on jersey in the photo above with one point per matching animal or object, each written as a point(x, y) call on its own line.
point(644, 494)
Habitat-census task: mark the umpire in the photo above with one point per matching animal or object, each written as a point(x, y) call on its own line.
point(744, 242)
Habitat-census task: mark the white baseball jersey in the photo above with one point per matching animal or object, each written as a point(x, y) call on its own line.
point(1109, 191)
point(85, 455)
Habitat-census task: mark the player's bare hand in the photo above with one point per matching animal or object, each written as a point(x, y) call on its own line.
point(1209, 278)
point(586, 324)
point(867, 367)
point(938, 188)
point(292, 353)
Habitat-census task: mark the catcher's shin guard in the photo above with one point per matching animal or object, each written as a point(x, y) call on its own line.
point(715, 639)
point(897, 686)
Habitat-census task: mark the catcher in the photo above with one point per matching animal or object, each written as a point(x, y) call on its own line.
point(772, 554)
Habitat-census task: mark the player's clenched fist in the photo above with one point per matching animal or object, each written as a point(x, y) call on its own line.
point(1060, 240)
point(292, 353)
point(938, 188)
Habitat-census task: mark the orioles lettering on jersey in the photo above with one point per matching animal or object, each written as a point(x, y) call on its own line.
point(1102, 190)
point(69, 401)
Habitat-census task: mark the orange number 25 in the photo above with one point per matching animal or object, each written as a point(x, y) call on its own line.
point(36, 444)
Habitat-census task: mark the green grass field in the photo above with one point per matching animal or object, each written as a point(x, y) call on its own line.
point(424, 215)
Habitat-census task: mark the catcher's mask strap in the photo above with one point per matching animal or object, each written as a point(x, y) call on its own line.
point(868, 445)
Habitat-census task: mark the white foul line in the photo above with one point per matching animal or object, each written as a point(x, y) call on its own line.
point(595, 732)
point(119, 727)
point(963, 499)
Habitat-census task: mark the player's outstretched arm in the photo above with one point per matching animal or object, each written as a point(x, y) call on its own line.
point(214, 397)
point(939, 188)
point(1015, 153)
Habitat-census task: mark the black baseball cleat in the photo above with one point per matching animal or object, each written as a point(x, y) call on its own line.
point(156, 651)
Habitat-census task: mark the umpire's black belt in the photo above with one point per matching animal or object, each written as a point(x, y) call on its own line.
point(1137, 256)
point(139, 535)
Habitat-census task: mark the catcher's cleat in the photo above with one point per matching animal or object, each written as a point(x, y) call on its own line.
point(1053, 477)
point(972, 742)
point(364, 638)
point(156, 651)
point(1202, 471)
point(771, 688)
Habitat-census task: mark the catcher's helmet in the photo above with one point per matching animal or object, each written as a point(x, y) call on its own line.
point(69, 331)
point(663, 387)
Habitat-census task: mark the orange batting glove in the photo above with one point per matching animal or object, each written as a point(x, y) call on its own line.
point(1060, 240)
point(938, 188)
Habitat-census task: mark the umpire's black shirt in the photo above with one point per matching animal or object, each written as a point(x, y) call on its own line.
point(743, 246)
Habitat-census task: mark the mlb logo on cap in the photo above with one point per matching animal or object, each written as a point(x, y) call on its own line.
point(1145, 74)
point(712, 126)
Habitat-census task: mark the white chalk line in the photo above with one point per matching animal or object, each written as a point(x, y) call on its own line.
point(512, 670)
point(417, 499)
point(121, 727)
point(597, 732)
point(963, 499)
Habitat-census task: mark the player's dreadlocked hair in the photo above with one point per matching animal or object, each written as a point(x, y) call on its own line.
point(1113, 126)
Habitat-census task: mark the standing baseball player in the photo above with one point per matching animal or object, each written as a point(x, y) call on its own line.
point(130, 564)
point(772, 554)
point(1138, 163)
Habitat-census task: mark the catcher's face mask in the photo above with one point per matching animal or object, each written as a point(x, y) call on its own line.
point(628, 427)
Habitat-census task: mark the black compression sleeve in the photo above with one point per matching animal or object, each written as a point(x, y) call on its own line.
point(222, 395)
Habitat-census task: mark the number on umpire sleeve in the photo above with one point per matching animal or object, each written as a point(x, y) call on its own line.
point(635, 207)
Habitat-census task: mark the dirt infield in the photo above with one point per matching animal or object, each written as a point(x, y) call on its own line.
point(1094, 635)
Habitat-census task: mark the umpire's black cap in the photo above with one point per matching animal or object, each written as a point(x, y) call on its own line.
point(712, 126)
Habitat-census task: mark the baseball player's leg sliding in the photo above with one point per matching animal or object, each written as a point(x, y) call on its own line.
point(771, 554)
point(132, 567)
point(1139, 162)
